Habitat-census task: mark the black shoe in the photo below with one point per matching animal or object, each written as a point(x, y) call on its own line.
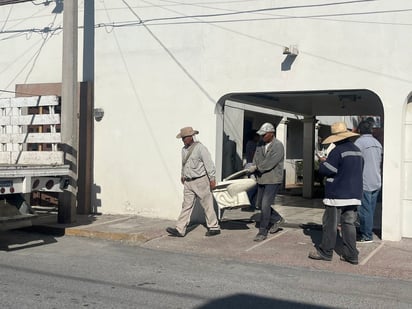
point(276, 226)
point(212, 232)
point(345, 259)
point(315, 255)
point(174, 232)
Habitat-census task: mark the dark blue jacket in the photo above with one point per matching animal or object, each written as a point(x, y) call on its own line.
point(343, 170)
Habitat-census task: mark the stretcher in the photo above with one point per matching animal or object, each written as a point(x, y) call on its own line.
point(231, 193)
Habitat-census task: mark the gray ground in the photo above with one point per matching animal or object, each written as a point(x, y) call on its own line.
point(39, 271)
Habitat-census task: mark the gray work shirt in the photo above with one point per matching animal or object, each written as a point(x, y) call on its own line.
point(372, 154)
point(199, 163)
point(269, 162)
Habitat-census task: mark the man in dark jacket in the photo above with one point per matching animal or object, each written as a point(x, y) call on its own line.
point(343, 194)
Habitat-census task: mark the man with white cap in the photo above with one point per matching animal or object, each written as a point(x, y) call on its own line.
point(198, 178)
point(343, 193)
point(268, 168)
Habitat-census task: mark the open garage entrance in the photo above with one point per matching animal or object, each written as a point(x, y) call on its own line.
point(301, 118)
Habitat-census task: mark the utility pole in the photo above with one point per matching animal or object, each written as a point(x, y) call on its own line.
point(70, 109)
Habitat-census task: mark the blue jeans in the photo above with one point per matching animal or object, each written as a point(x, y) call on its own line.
point(346, 215)
point(366, 212)
point(265, 198)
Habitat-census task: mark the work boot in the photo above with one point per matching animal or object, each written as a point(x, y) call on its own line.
point(316, 255)
point(212, 232)
point(259, 237)
point(174, 232)
point(276, 226)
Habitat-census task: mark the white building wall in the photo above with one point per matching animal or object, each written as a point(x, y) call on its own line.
point(156, 76)
point(407, 172)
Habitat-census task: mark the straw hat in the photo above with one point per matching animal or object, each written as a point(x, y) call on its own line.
point(339, 132)
point(186, 131)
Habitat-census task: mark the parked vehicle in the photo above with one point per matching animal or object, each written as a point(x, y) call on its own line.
point(30, 157)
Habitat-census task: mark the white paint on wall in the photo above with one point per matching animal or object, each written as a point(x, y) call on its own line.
point(159, 68)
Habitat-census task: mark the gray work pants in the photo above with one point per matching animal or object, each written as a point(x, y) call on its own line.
point(347, 216)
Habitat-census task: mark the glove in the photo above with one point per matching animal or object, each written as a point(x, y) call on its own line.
point(251, 169)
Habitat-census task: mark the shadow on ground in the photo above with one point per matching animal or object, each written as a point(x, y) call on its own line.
point(240, 301)
point(13, 240)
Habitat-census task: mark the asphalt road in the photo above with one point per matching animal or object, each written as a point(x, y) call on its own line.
point(40, 271)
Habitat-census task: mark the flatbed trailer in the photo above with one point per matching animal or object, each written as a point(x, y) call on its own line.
point(30, 156)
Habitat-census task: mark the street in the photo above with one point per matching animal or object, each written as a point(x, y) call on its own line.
point(42, 271)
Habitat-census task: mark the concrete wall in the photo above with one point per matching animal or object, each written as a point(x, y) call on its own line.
point(156, 76)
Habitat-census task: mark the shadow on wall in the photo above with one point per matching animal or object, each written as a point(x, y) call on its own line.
point(231, 161)
point(96, 201)
point(287, 63)
point(240, 301)
point(228, 157)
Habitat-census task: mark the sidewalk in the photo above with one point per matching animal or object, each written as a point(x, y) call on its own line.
point(288, 247)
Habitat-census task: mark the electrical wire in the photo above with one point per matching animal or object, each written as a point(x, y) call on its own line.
point(148, 124)
point(284, 17)
point(168, 20)
point(26, 32)
point(46, 38)
point(34, 57)
point(7, 18)
point(270, 9)
point(20, 93)
point(206, 17)
point(323, 58)
point(22, 69)
point(180, 65)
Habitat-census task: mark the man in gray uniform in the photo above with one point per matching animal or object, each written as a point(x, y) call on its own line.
point(198, 178)
point(268, 168)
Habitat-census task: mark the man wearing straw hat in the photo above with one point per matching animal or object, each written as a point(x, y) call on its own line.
point(343, 194)
point(198, 178)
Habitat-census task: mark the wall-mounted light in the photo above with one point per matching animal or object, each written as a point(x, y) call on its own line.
point(98, 114)
point(291, 50)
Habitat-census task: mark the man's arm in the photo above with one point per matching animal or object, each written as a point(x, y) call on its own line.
point(208, 163)
point(329, 167)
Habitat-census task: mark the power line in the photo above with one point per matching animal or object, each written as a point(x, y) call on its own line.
point(35, 56)
point(148, 123)
point(159, 21)
point(317, 16)
point(270, 9)
point(301, 52)
point(172, 56)
point(20, 93)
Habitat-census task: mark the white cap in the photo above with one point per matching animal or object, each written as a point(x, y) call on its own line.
point(265, 128)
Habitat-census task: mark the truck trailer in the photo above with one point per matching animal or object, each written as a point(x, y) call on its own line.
point(31, 156)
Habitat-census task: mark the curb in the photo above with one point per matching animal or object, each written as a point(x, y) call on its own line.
point(132, 237)
point(62, 231)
